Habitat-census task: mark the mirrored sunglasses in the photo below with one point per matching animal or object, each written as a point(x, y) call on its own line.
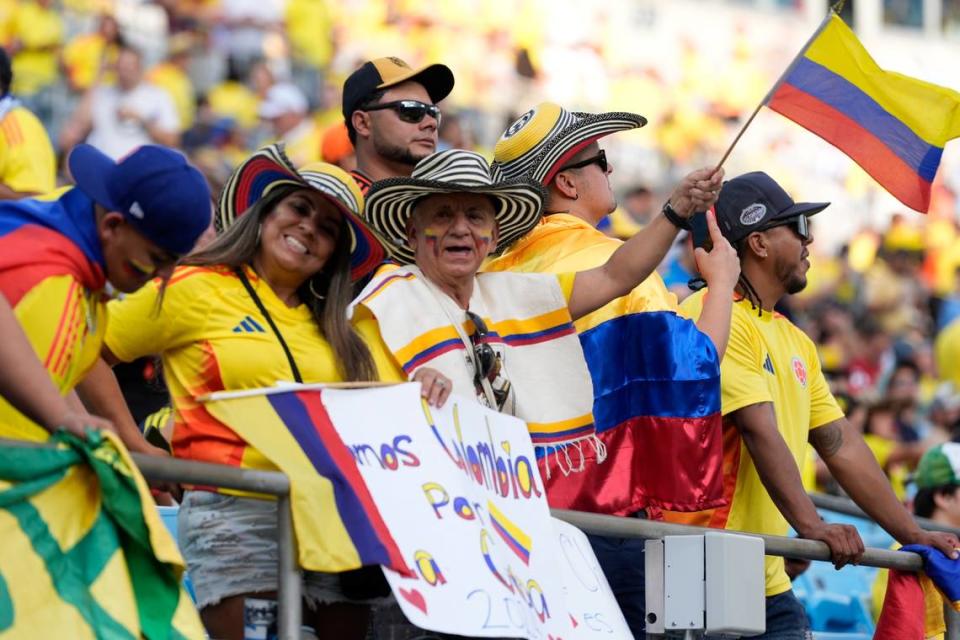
point(800, 225)
point(412, 111)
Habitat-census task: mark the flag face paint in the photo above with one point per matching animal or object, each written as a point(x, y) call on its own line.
point(893, 126)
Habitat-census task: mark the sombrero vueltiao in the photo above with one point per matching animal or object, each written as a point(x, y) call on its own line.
point(545, 138)
point(270, 168)
point(390, 202)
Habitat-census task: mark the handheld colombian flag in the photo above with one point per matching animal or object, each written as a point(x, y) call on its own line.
point(337, 524)
point(84, 553)
point(913, 604)
point(893, 126)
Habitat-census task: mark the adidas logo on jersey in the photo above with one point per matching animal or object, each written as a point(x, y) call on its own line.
point(768, 365)
point(248, 325)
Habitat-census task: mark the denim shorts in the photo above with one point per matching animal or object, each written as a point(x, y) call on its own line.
point(230, 547)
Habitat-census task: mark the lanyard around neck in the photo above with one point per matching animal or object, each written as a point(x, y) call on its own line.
point(266, 316)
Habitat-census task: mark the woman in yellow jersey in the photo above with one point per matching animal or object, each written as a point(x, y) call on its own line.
point(265, 302)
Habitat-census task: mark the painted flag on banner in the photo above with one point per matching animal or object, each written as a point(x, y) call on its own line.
point(337, 524)
point(84, 553)
point(656, 386)
point(892, 125)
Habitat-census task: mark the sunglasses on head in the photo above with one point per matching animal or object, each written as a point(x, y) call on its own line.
point(799, 224)
point(412, 111)
point(599, 159)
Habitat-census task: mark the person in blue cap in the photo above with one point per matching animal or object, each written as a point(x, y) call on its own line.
point(123, 224)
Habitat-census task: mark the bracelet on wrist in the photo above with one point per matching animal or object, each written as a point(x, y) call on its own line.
point(674, 218)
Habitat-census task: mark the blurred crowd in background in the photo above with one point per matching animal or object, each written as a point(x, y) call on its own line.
point(219, 78)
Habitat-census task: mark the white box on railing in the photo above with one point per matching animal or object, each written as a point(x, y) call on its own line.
point(712, 582)
point(735, 593)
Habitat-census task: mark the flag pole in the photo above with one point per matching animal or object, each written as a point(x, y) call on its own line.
point(776, 85)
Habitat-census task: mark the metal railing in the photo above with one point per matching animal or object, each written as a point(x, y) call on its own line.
point(848, 507)
point(277, 484)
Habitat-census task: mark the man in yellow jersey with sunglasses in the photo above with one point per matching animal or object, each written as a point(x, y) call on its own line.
point(775, 399)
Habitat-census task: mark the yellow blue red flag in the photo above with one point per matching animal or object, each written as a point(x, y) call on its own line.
point(84, 553)
point(656, 385)
point(913, 604)
point(892, 125)
point(337, 524)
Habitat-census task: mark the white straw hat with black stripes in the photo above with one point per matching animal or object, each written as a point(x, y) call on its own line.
point(391, 202)
point(547, 136)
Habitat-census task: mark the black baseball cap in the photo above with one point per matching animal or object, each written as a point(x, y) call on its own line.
point(754, 202)
point(383, 73)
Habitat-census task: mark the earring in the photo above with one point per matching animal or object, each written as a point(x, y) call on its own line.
point(314, 291)
point(576, 197)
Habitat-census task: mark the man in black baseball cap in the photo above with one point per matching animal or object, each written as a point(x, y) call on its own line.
point(392, 116)
point(755, 202)
point(775, 400)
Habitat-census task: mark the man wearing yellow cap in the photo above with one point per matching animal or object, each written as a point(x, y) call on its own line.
point(392, 117)
point(655, 374)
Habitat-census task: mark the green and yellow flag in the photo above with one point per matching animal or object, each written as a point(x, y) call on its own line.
point(83, 553)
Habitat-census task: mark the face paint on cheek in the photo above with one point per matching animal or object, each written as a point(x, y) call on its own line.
point(431, 236)
point(138, 269)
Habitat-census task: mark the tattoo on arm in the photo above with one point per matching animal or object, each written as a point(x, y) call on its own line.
point(827, 439)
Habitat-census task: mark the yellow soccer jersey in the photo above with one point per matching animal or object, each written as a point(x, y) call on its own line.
point(768, 359)
point(27, 160)
point(212, 337)
point(40, 31)
point(65, 324)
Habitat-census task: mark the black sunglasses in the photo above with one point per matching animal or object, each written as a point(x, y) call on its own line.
point(799, 224)
point(486, 360)
point(412, 111)
point(600, 159)
point(484, 356)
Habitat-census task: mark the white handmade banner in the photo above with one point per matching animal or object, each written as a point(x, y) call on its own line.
point(459, 489)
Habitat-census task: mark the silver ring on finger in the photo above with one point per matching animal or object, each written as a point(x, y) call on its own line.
point(440, 383)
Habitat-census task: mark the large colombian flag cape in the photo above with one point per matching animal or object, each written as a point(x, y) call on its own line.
point(656, 385)
point(49, 237)
point(84, 553)
point(892, 125)
point(913, 605)
point(337, 524)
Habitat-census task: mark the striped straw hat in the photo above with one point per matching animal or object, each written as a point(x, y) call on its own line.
point(545, 138)
point(270, 168)
point(390, 202)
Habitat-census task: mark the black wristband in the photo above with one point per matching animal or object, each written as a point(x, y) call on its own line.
point(674, 218)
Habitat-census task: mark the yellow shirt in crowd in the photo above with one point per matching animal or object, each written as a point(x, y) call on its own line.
point(768, 359)
point(40, 33)
point(65, 323)
point(27, 160)
point(87, 59)
point(212, 337)
point(178, 86)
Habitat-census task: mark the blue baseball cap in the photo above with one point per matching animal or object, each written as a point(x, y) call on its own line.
point(155, 188)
